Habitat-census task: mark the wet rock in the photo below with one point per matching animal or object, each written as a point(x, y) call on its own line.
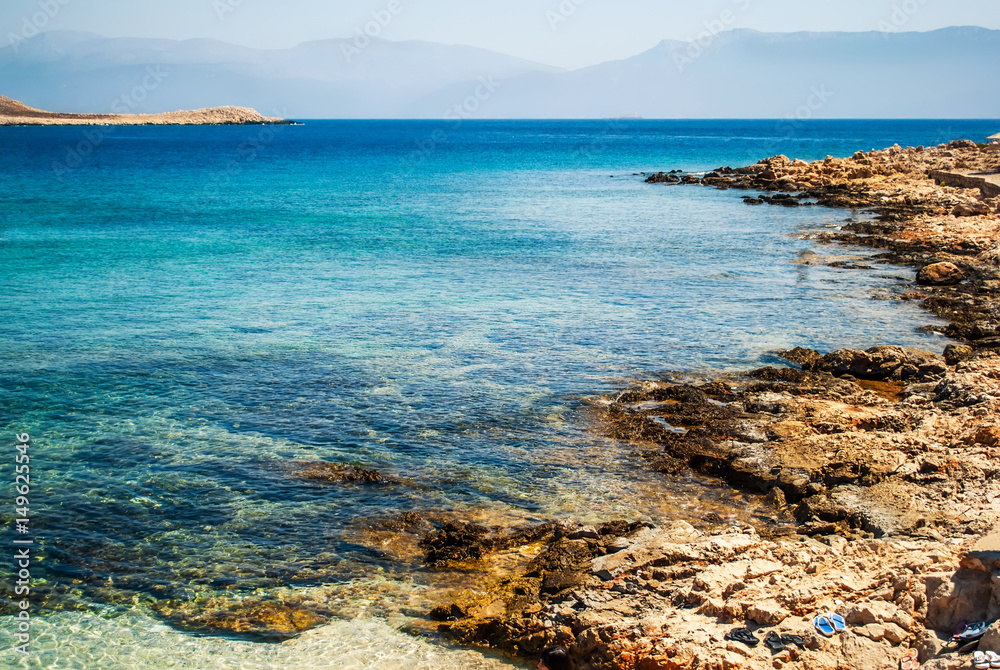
point(885, 362)
point(663, 178)
point(269, 620)
point(458, 541)
point(336, 472)
point(940, 274)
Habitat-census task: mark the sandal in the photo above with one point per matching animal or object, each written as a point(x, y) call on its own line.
point(774, 641)
point(980, 661)
point(838, 622)
point(797, 640)
point(994, 659)
point(743, 635)
point(824, 626)
point(909, 660)
point(973, 631)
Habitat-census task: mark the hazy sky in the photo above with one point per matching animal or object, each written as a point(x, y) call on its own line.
point(569, 33)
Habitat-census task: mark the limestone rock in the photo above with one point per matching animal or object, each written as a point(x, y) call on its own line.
point(953, 597)
point(991, 640)
point(928, 645)
point(767, 613)
point(860, 653)
point(971, 209)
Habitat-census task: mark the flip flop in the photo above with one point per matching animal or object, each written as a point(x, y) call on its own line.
point(824, 626)
point(994, 659)
point(980, 661)
point(909, 660)
point(973, 631)
point(773, 640)
point(797, 640)
point(743, 635)
point(838, 622)
point(959, 629)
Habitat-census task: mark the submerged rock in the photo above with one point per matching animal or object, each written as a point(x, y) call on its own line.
point(336, 472)
point(270, 620)
point(457, 541)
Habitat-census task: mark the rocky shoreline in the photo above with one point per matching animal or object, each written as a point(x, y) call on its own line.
point(880, 467)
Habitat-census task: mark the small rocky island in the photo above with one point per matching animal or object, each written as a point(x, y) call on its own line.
point(15, 113)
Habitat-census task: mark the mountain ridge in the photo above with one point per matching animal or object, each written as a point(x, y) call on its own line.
point(732, 74)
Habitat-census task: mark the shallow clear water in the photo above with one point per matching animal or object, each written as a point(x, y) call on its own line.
point(188, 310)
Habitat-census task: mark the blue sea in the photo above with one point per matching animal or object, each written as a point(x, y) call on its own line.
point(188, 311)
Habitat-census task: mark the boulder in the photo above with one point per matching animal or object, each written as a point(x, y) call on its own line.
point(952, 597)
point(767, 613)
point(860, 653)
point(940, 274)
point(971, 209)
point(957, 353)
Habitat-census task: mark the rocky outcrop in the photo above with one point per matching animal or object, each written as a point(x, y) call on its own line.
point(666, 597)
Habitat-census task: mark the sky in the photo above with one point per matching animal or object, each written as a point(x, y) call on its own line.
point(565, 33)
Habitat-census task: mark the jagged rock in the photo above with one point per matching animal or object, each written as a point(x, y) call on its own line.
point(458, 541)
point(767, 613)
point(885, 362)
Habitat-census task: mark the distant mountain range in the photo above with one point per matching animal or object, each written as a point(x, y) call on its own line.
point(947, 73)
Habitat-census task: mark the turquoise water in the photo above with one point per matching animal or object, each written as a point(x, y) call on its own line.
point(189, 310)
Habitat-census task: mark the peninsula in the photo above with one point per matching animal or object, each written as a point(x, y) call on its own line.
point(15, 113)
